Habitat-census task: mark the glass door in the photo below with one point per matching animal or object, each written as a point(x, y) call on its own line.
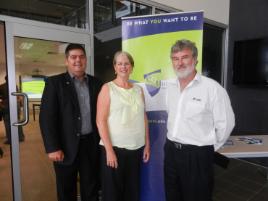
point(34, 50)
point(5, 159)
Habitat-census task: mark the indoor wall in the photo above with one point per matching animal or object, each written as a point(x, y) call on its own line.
point(248, 20)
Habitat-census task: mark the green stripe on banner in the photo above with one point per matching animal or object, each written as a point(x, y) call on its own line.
point(152, 52)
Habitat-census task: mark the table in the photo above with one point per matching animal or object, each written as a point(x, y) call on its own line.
point(240, 149)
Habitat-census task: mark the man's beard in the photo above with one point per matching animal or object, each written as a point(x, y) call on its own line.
point(184, 73)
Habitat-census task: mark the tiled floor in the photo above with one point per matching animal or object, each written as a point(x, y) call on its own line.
point(37, 175)
point(242, 181)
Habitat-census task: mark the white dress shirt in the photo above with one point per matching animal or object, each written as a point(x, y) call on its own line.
point(199, 115)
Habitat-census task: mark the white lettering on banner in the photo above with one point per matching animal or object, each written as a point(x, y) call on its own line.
point(193, 18)
point(157, 121)
point(184, 19)
point(141, 22)
point(175, 19)
point(159, 21)
point(129, 23)
point(181, 19)
point(155, 21)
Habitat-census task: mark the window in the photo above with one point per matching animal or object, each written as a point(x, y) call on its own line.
point(64, 12)
point(107, 38)
point(212, 52)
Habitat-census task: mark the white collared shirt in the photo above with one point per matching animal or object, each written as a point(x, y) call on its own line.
point(199, 115)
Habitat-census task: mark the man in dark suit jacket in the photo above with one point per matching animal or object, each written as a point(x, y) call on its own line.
point(67, 122)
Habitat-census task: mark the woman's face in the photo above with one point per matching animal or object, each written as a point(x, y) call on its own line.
point(122, 66)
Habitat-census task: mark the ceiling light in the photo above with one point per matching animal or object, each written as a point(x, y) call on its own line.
point(26, 46)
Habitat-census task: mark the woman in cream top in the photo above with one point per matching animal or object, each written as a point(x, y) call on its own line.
point(122, 124)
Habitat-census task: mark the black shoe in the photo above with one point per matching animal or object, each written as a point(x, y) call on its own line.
point(1, 152)
point(21, 140)
point(21, 137)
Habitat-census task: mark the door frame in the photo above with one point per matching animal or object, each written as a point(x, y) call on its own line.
point(37, 30)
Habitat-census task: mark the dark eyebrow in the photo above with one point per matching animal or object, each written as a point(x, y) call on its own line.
point(75, 55)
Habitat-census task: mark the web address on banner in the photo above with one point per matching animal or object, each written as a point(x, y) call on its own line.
point(157, 121)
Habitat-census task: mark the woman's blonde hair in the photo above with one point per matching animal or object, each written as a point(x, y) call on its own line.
point(130, 58)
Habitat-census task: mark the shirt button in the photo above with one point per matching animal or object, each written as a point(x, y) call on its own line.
point(79, 118)
point(77, 134)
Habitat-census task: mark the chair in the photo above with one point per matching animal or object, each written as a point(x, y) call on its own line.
point(35, 106)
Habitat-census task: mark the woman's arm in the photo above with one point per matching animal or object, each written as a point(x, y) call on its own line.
point(103, 108)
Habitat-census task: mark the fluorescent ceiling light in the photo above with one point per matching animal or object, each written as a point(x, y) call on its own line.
point(26, 46)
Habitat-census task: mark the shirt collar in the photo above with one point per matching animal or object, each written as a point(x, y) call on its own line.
point(74, 78)
point(197, 79)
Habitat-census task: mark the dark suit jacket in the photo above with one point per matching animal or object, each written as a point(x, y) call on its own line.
point(4, 97)
point(60, 120)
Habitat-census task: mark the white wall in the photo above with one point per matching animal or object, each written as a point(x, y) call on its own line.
point(216, 10)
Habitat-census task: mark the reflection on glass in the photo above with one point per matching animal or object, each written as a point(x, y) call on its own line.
point(159, 11)
point(107, 21)
point(35, 60)
point(103, 11)
point(108, 13)
point(64, 12)
point(5, 159)
point(212, 51)
point(123, 8)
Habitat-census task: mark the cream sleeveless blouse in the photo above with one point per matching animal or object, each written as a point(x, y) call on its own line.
point(126, 117)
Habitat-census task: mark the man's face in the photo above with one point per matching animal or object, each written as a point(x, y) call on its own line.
point(183, 63)
point(76, 62)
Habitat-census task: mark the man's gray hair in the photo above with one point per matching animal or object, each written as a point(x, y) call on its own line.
point(184, 44)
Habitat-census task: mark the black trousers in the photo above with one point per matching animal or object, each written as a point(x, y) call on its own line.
point(188, 172)
point(123, 183)
point(8, 129)
point(86, 166)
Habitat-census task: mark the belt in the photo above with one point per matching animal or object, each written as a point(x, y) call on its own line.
point(181, 146)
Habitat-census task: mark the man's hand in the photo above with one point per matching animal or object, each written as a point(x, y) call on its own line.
point(56, 156)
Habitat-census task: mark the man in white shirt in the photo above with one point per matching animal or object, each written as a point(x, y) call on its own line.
point(200, 119)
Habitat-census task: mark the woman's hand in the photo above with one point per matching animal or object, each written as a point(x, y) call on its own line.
point(146, 153)
point(111, 159)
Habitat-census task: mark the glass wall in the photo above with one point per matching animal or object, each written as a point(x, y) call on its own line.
point(5, 155)
point(107, 31)
point(159, 11)
point(107, 37)
point(108, 13)
point(213, 52)
point(64, 12)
